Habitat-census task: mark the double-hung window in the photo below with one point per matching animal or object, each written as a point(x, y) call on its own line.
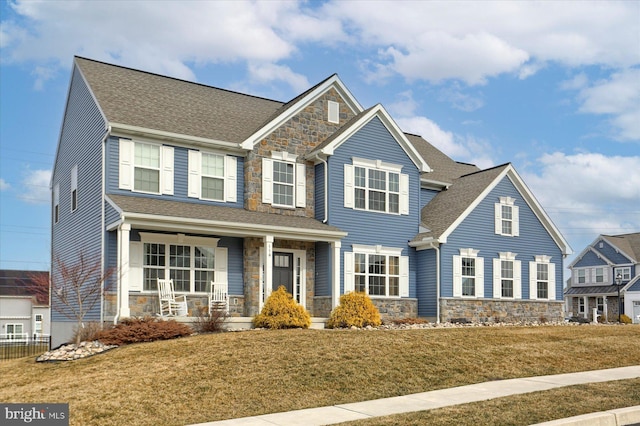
point(15, 332)
point(283, 181)
point(599, 275)
point(212, 176)
point(542, 281)
point(378, 271)
point(191, 262)
point(468, 274)
point(376, 186)
point(581, 276)
point(507, 277)
point(507, 217)
point(145, 167)
point(624, 272)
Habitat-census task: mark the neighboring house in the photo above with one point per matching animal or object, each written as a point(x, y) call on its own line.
point(24, 307)
point(163, 178)
point(608, 265)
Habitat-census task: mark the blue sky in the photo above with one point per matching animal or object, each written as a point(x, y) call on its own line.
point(552, 87)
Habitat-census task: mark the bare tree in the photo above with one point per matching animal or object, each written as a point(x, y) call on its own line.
point(76, 287)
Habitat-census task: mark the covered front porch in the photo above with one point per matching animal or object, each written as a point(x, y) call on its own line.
point(252, 253)
point(582, 301)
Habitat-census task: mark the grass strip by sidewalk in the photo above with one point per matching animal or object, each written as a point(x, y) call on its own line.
point(526, 409)
point(219, 376)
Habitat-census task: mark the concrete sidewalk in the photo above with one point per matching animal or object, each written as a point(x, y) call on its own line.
point(429, 400)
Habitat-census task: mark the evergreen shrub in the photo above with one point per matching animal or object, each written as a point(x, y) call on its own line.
point(281, 311)
point(147, 329)
point(624, 319)
point(355, 309)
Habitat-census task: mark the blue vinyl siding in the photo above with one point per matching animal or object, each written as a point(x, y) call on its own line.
point(426, 195)
point(180, 170)
point(427, 282)
point(80, 231)
point(323, 268)
point(235, 256)
point(477, 231)
point(374, 142)
point(590, 259)
point(610, 253)
point(111, 214)
point(635, 286)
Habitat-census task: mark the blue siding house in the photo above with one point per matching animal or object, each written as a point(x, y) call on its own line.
point(605, 277)
point(162, 178)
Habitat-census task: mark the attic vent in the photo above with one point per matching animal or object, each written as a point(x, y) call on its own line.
point(333, 109)
point(601, 245)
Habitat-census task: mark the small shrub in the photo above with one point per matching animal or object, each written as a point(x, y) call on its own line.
point(147, 329)
point(410, 321)
point(87, 333)
point(281, 311)
point(210, 322)
point(624, 319)
point(355, 310)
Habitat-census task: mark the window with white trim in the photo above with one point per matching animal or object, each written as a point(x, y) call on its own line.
point(376, 186)
point(599, 275)
point(191, 262)
point(507, 282)
point(283, 181)
point(468, 274)
point(581, 276)
point(625, 273)
point(581, 305)
point(378, 271)
point(542, 278)
point(56, 203)
point(15, 331)
point(37, 329)
point(507, 217)
point(74, 188)
point(145, 167)
point(600, 304)
point(212, 176)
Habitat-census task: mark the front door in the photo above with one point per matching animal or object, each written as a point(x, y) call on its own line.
point(283, 271)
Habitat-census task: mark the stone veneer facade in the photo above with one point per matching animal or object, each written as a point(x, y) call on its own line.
point(612, 307)
point(488, 310)
point(146, 304)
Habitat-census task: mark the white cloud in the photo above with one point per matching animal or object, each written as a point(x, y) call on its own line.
point(266, 72)
point(4, 185)
point(588, 194)
point(35, 187)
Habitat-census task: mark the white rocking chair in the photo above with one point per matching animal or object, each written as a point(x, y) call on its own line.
point(218, 297)
point(169, 303)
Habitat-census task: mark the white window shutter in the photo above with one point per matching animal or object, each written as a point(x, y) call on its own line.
point(349, 278)
point(497, 278)
point(125, 171)
point(457, 276)
point(167, 170)
point(136, 273)
point(404, 194)
point(552, 281)
point(479, 277)
point(348, 186)
point(404, 276)
point(498, 218)
point(301, 185)
point(230, 179)
point(267, 180)
point(533, 275)
point(195, 171)
point(515, 214)
point(221, 259)
point(333, 112)
point(517, 279)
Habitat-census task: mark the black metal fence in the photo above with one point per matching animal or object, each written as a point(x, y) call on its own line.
point(19, 348)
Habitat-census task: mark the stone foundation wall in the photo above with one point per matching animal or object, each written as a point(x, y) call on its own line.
point(392, 309)
point(488, 310)
point(321, 306)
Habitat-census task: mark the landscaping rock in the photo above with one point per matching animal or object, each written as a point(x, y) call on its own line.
point(72, 352)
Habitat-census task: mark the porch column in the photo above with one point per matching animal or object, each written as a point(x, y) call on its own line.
point(335, 273)
point(586, 306)
point(605, 311)
point(123, 265)
point(268, 266)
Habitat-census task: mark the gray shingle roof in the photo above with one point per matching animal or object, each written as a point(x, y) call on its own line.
point(444, 169)
point(450, 204)
point(186, 211)
point(137, 98)
point(628, 243)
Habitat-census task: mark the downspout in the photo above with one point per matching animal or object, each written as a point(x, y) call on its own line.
point(102, 219)
point(437, 249)
point(118, 278)
point(326, 189)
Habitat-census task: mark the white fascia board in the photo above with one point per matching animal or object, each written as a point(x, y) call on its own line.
point(538, 210)
point(238, 229)
point(426, 183)
point(334, 81)
point(126, 130)
point(425, 243)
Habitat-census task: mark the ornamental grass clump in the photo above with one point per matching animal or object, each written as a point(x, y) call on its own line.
point(355, 310)
point(281, 311)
